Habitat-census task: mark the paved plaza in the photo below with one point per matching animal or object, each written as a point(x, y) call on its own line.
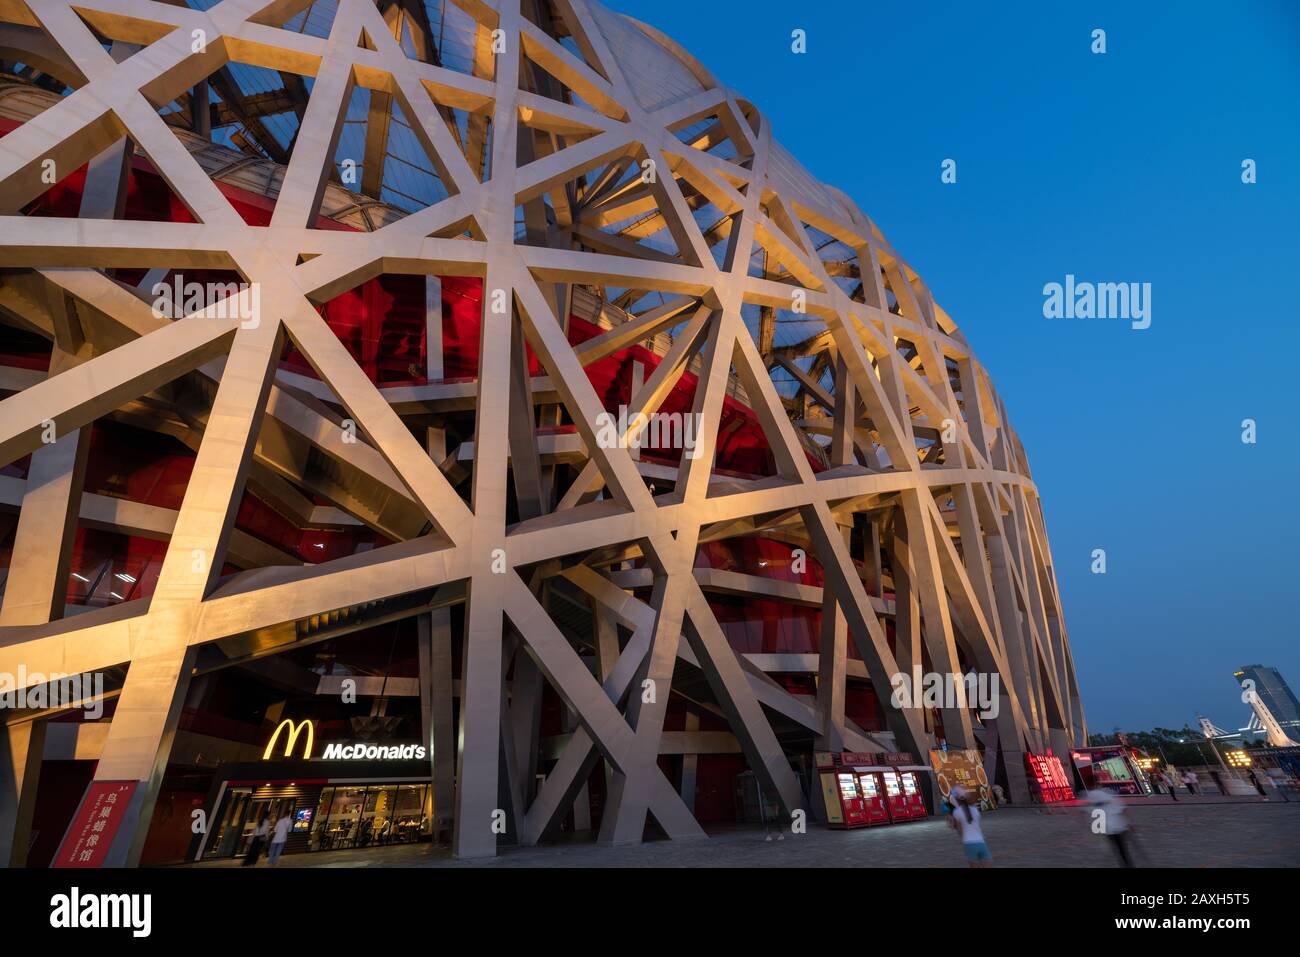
point(1183, 834)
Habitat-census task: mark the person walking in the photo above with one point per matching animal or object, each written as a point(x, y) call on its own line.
point(1109, 819)
point(965, 820)
point(279, 838)
point(1190, 780)
point(1254, 779)
point(1170, 783)
point(255, 846)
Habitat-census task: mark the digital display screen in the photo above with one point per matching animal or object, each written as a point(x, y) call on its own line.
point(302, 819)
point(1047, 778)
point(1111, 770)
point(848, 786)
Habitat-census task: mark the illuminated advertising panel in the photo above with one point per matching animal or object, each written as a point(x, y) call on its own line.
point(1048, 782)
point(965, 767)
point(1112, 769)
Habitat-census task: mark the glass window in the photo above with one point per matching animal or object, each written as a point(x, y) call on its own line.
point(408, 816)
point(320, 833)
point(376, 823)
point(229, 831)
point(345, 816)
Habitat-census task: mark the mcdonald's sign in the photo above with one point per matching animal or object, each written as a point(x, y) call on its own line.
point(292, 738)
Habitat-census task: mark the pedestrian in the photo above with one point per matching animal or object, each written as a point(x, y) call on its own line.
point(999, 795)
point(1169, 783)
point(1108, 819)
point(279, 838)
point(260, 831)
point(1190, 780)
point(965, 820)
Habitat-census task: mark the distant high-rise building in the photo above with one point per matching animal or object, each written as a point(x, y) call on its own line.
point(1274, 702)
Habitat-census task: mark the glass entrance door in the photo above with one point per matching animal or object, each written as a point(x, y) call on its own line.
point(239, 821)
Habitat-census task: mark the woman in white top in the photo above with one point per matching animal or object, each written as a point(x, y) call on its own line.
point(965, 819)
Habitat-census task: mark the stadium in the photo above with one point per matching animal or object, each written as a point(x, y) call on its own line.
point(315, 321)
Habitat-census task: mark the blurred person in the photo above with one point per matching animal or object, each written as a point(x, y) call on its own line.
point(1109, 809)
point(965, 820)
point(280, 837)
point(255, 846)
point(1254, 779)
point(1170, 783)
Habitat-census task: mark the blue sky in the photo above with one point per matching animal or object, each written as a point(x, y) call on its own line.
point(1117, 167)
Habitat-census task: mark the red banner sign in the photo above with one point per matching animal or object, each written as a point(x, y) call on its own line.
point(91, 834)
point(860, 758)
point(852, 758)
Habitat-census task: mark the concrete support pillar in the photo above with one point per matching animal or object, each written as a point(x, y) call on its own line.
point(690, 764)
point(38, 580)
point(1019, 652)
point(938, 632)
point(607, 652)
point(35, 593)
point(433, 351)
point(21, 748)
point(36, 590)
point(157, 682)
point(907, 610)
point(526, 717)
point(436, 714)
point(201, 111)
point(832, 666)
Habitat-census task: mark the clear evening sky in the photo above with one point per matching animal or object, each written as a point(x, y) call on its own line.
point(1122, 167)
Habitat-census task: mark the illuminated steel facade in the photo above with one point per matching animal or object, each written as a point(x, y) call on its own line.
point(458, 238)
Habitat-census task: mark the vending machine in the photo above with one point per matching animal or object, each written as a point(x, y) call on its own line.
point(912, 794)
point(845, 807)
point(873, 796)
point(855, 809)
point(895, 799)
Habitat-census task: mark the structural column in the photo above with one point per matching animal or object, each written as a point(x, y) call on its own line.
point(21, 748)
point(144, 722)
point(436, 704)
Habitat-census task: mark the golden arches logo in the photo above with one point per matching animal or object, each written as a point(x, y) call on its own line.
point(294, 731)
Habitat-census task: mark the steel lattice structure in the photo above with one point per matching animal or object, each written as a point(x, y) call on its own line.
point(579, 152)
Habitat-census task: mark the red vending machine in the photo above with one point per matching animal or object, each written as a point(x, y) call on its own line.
point(912, 794)
point(894, 796)
point(844, 805)
point(873, 796)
